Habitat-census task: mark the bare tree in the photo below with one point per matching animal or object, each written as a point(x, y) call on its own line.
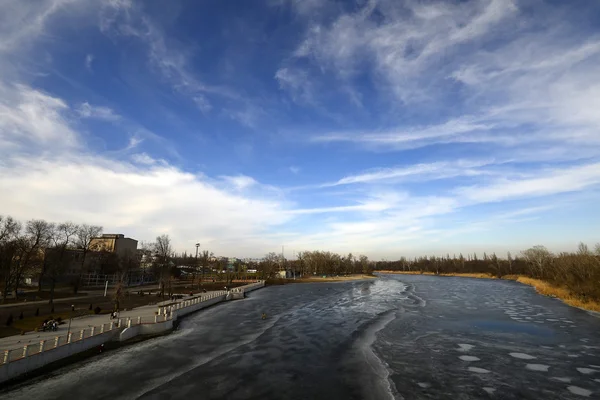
point(9, 251)
point(83, 238)
point(62, 239)
point(205, 257)
point(538, 257)
point(164, 252)
point(269, 264)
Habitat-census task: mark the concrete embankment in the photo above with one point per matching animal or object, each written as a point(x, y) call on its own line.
point(20, 361)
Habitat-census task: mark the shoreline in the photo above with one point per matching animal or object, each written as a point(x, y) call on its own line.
point(541, 287)
point(320, 279)
point(128, 331)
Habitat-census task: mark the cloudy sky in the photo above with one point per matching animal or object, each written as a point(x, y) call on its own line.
point(388, 127)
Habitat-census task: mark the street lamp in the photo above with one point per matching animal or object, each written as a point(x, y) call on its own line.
point(197, 247)
point(71, 318)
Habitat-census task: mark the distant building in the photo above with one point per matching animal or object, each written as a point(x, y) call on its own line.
point(115, 243)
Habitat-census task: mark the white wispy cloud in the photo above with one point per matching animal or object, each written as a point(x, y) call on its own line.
point(29, 116)
point(240, 182)
point(85, 110)
point(169, 57)
point(23, 22)
point(89, 59)
point(144, 198)
point(202, 103)
point(547, 183)
point(143, 158)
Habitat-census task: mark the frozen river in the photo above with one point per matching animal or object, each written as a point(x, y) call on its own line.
point(402, 337)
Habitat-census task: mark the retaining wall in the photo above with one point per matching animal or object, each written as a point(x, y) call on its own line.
point(17, 362)
point(27, 364)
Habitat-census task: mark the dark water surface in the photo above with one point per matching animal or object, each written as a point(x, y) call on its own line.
point(402, 337)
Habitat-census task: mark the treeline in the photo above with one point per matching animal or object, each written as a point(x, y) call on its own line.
point(578, 271)
point(40, 248)
point(327, 263)
point(57, 253)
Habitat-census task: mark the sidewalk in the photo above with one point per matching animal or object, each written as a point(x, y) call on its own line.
point(146, 312)
point(65, 299)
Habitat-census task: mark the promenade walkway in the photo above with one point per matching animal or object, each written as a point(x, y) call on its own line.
point(86, 323)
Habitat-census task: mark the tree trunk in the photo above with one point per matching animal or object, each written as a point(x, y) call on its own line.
point(52, 285)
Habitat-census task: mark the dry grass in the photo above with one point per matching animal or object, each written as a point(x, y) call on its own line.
point(464, 275)
point(547, 289)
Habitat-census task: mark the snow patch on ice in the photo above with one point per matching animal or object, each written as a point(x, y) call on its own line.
point(424, 385)
point(522, 356)
point(537, 367)
point(586, 371)
point(579, 391)
point(561, 379)
point(489, 390)
point(572, 355)
point(465, 347)
point(469, 358)
point(479, 370)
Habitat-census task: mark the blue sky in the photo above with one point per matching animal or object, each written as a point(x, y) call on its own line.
point(383, 127)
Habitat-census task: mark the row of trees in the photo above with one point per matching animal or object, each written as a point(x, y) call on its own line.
point(62, 253)
point(40, 248)
point(312, 263)
point(307, 263)
point(577, 271)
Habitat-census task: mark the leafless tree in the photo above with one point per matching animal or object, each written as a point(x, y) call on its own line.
point(62, 239)
point(538, 257)
point(9, 251)
point(83, 238)
point(163, 252)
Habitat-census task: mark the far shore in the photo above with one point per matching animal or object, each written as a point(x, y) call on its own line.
point(320, 278)
point(542, 287)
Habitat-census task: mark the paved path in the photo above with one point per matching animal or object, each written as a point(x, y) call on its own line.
point(63, 300)
point(77, 324)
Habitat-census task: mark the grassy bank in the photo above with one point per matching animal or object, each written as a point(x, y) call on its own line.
point(542, 287)
point(464, 275)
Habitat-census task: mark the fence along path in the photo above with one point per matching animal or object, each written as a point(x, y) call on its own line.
point(19, 347)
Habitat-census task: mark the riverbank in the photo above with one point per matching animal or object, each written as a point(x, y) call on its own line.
point(315, 279)
point(30, 352)
point(311, 279)
point(542, 287)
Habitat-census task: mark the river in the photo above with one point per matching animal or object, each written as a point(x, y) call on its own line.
point(396, 337)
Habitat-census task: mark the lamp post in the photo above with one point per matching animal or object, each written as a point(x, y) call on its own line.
point(197, 247)
point(70, 318)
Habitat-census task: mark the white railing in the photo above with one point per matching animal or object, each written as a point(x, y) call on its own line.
point(163, 314)
point(31, 349)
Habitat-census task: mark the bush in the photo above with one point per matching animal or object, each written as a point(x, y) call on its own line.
point(59, 320)
point(97, 310)
point(21, 315)
point(9, 320)
point(37, 312)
